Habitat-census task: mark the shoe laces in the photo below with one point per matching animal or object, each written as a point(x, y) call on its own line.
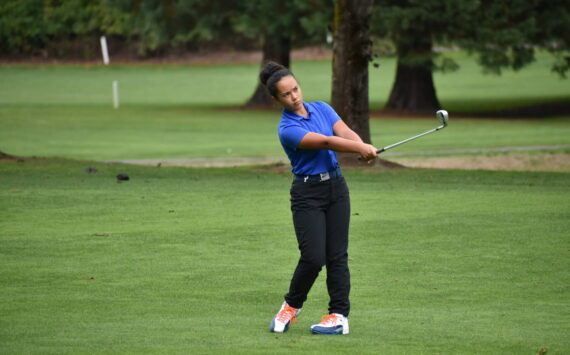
point(286, 314)
point(329, 319)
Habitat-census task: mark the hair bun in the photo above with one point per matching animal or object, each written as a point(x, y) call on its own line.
point(268, 70)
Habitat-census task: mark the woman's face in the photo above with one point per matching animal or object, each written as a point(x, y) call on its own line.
point(289, 94)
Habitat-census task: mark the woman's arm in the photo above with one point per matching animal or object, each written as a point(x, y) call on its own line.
point(339, 144)
point(342, 130)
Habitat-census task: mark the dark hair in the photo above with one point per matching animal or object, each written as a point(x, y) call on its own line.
point(271, 74)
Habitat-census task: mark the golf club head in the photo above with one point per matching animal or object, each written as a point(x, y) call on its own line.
point(443, 117)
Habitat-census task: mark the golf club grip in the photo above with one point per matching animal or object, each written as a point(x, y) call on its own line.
point(377, 152)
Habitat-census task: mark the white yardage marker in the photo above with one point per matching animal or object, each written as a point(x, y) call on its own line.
point(115, 94)
point(104, 50)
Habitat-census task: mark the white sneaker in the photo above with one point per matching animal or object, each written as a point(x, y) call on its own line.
point(332, 324)
point(287, 314)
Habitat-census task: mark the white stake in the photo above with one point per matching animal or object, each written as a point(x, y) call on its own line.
point(329, 38)
point(116, 94)
point(104, 50)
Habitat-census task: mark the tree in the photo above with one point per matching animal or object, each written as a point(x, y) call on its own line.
point(414, 88)
point(32, 27)
point(278, 25)
point(414, 26)
point(273, 21)
point(205, 21)
point(149, 27)
point(501, 33)
point(163, 25)
point(511, 31)
point(351, 55)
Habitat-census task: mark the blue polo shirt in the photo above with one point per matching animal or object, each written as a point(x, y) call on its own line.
point(293, 128)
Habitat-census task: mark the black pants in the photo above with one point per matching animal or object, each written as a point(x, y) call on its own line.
point(321, 215)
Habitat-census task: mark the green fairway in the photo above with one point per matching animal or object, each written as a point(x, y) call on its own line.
point(185, 111)
point(466, 90)
point(187, 260)
point(139, 133)
point(197, 261)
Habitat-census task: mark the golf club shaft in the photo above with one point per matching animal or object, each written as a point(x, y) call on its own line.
point(409, 139)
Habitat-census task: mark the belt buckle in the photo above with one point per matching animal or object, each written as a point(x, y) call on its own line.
point(325, 176)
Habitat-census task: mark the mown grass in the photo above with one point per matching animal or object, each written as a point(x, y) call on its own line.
point(462, 91)
point(139, 133)
point(183, 260)
point(196, 260)
point(185, 111)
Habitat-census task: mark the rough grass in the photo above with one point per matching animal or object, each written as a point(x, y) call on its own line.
point(197, 260)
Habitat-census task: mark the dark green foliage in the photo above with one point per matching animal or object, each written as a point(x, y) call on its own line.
point(503, 34)
point(153, 27)
point(415, 25)
point(20, 30)
point(510, 32)
point(148, 26)
point(31, 26)
point(305, 21)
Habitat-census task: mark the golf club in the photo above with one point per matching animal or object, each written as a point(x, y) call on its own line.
point(443, 118)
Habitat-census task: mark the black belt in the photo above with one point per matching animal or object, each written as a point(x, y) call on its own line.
point(333, 174)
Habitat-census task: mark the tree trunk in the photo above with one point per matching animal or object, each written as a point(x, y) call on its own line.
point(413, 88)
point(351, 54)
point(277, 48)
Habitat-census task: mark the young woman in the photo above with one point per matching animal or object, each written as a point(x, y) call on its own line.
point(310, 134)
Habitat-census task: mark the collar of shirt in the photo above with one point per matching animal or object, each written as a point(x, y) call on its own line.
point(293, 115)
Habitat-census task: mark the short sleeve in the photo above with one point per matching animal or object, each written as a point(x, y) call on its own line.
point(291, 135)
point(330, 113)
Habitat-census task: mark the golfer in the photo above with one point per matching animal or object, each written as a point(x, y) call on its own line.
point(311, 133)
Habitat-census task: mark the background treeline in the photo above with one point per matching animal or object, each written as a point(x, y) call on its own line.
point(150, 28)
point(501, 34)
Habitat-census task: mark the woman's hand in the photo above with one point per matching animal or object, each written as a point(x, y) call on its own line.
point(368, 152)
